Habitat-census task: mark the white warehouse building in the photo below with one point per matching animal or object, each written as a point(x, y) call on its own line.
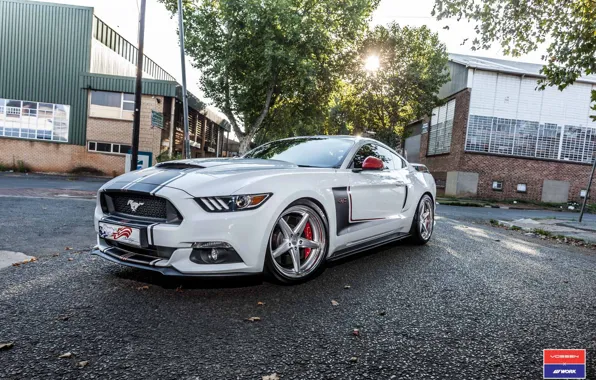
point(498, 136)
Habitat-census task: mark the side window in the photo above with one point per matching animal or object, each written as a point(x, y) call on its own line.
point(372, 150)
point(386, 156)
point(398, 162)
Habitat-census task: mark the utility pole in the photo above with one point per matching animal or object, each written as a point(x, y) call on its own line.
point(581, 213)
point(136, 124)
point(184, 94)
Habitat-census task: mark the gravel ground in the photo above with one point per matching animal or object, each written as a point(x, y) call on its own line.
point(475, 303)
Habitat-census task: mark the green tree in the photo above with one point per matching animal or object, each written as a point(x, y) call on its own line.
point(569, 28)
point(412, 69)
point(256, 55)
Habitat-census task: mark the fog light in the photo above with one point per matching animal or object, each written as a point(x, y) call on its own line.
point(214, 253)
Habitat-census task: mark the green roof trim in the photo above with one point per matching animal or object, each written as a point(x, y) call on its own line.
point(103, 82)
point(115, 83)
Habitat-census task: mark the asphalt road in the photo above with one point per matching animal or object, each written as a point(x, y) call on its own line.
point(40, 181)
point(476, 303)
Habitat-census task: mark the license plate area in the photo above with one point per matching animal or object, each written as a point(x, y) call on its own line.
point(124, 234)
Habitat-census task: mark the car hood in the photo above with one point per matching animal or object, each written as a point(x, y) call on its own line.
point(217, 176)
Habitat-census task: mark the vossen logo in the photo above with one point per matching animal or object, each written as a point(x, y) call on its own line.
point(564, 364)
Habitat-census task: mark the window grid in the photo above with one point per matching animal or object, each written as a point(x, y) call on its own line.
point(33, 120)
point(114, 148)
point(441, 129)
point(530, 139)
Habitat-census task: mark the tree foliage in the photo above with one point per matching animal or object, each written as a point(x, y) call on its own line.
point(569, 26)
point(413, 67)
point(264, 59)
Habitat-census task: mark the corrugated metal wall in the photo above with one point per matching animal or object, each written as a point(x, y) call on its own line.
point(458, 81)
point(113, 83)
point(43, 50)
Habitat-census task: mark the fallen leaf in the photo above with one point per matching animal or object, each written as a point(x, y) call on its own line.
point(334, 303)
point(273, 376)
point(29, 260)
point(179, 289)
point(16, 264)
point(353, 359)
point(67, 248)
point(260, 303)
point(6, 346)
point(253, 319)
point(70, 259)
point(144, 287)
point(65, 355)
point(84, 363)
point(347, 287)
point(356, 332)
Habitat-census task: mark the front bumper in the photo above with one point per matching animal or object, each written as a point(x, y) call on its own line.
point(114, 257)
point(247, 232)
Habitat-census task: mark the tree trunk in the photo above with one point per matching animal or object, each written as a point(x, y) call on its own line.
point(244, 143)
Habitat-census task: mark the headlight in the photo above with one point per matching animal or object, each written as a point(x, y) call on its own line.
point(232, 202)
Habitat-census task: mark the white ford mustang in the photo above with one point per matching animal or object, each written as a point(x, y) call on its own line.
point(285, 209)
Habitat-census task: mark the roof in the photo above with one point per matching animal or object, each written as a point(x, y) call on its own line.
point(506, 66)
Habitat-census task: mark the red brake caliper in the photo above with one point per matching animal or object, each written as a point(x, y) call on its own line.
point(307, 235)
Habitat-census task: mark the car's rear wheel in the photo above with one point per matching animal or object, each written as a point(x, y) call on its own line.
point(297, 244)
point(424, 221)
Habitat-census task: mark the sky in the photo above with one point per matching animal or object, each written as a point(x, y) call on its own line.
point(161, 38)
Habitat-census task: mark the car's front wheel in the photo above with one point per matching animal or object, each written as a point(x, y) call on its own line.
point(297, 244)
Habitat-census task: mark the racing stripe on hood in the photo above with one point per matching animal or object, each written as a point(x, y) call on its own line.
point(181, 174)
point(140, 179)
point(153, 183)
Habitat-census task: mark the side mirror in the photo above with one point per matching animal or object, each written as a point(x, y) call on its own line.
point(373, 163)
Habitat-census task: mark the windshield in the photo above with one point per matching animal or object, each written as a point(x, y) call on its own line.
point(317, 152)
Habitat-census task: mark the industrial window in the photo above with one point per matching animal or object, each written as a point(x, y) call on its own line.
point(522, 188)
point(128, 102)
point(115, 105)
point(106, 99)
point(530, 139)
point(441, 128)
point(33, 120)
point(526, 138)
point(498, 185)
point(94, 146)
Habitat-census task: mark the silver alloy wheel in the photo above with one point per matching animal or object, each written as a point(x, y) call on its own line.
point(426, 218)
point(294, 255)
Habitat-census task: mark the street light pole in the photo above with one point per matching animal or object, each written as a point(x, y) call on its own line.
point(184, 94)
point(136, 124)
point(581, 213)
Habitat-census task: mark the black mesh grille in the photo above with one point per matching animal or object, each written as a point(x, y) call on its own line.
point(140, 205)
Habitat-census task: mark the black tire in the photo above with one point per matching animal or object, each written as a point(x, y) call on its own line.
point(274, 274)
point(416, 235)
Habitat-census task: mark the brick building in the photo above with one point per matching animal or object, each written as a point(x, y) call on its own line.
point(67, 95)
point(497, 137)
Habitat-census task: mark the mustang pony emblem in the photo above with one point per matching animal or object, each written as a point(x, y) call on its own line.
point(134, 205)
